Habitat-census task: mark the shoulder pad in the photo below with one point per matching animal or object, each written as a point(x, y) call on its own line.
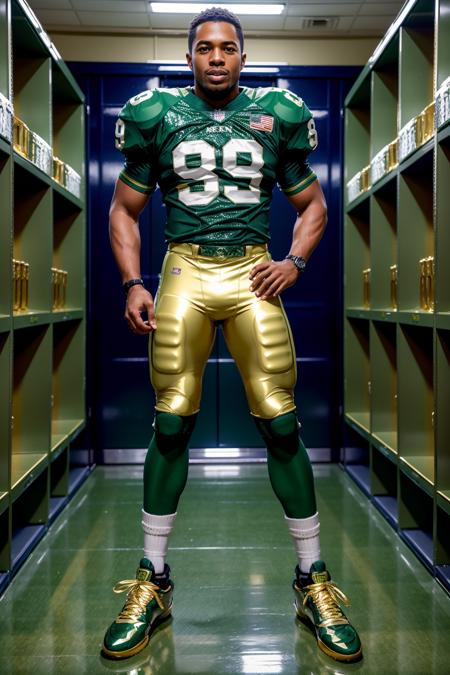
point(150, 106)
point(286, 105)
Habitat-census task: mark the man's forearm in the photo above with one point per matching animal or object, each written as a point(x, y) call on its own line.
point(126, 244)
point(308, 230)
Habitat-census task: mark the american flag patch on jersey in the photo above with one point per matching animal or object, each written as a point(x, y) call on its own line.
point(261, 122)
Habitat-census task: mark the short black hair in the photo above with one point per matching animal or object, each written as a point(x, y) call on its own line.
point(215, 14)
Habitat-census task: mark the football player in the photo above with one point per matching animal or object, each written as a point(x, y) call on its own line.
point(216, 150)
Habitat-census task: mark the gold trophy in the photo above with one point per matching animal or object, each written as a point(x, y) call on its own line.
point(366, 288)
point(392, 155)
point(21, 137)
point(429, 283)
point(422, 284)
point(394, 278)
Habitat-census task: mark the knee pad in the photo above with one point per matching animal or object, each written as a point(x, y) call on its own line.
point(280, 433)
point(172, 432)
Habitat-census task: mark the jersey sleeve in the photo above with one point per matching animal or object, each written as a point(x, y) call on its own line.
point(139, 172)
point(299, 140)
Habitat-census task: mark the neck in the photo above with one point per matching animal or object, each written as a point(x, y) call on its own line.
point(216, 99)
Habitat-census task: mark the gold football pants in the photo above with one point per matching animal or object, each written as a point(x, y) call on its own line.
point(194, 293)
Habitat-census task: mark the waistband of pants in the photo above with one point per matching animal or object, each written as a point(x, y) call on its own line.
point(218, 251)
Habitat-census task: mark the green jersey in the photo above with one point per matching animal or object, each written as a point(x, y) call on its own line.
point(216, 168)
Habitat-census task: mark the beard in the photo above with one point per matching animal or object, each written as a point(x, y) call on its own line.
point(216, 94)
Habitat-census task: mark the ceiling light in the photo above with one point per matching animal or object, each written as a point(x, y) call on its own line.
point(196, 7)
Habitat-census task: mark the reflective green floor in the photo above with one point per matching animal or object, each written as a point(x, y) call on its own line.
point(232, 563)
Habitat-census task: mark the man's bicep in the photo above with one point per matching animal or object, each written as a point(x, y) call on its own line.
point(312, 194)
point(128, 199)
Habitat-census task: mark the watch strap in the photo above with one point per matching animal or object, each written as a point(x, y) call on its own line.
point(132, 282)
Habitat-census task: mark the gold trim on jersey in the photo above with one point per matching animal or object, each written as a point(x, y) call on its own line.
point(195, 293)
point(311, 177)
point(148, 188)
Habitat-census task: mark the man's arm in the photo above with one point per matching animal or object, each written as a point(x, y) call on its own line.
point(269, 279)
point(125, 238)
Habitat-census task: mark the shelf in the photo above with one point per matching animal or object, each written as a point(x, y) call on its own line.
point(63, 431)
point(416, 318)
point(420, 469)
point(442, 320)
point(5, 147)
point(31, 172)
point(4, 501)
point(67, 196)
point(361, 420)
point(386, 442)
point(42, 352)
point(443, 500)
point(24, 469)
point(443, 133)
point(67, 314)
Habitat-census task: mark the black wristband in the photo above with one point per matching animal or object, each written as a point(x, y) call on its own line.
point(298, 261)
point(132, 282)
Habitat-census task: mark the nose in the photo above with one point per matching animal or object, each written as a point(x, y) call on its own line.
point(216, 56)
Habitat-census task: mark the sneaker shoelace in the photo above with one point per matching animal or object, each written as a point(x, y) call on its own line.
point(327, 596)
point(139, 594)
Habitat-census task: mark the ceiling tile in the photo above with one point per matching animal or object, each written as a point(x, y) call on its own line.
point(55, 17)
point(50, 4)
point(296, 23)
point(110, 5)
point(375, 8)
point(322, 9)
point(178, 21)
point(375, 23)
point(114, 19)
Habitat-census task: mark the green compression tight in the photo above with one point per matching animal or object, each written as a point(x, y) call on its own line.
point(290, 470)
point(166, 464)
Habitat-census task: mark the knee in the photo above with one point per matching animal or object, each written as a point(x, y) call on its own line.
point(172, 432)
point(280, 433)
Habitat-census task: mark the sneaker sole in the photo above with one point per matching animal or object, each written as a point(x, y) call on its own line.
point(337, 656)
point(143, 643)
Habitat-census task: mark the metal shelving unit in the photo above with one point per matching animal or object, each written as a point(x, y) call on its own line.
point(397, 322)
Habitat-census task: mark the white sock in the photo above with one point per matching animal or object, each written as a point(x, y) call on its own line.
point(156, 537)
point(305, 532)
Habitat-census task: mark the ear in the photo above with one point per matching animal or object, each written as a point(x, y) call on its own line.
point(189, 60)
point(243, 59)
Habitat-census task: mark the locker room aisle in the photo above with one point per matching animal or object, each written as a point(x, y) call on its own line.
point(232, 563)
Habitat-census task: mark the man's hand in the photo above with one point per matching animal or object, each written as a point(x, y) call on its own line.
point(269, 279)
point(140, 300)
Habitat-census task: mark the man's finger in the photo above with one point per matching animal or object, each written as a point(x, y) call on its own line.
point(275, 289)
point(150, 307)
point(137, 322)
point(259, 268)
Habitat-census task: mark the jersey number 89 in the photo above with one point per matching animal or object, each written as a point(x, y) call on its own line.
point(205, 171)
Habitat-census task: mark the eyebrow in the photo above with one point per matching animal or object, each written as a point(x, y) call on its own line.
point(225, 42)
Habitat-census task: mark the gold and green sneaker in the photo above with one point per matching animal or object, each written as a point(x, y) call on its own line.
point(317, 601)
point(148, 605)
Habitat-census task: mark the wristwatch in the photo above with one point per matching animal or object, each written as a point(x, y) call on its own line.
point(298, 261)
point(132, 282)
